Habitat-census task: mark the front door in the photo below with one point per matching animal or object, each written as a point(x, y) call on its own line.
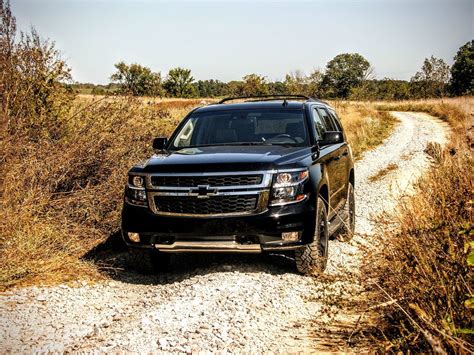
point(334, 159)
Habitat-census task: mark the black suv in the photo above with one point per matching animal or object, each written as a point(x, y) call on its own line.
point(265, 174)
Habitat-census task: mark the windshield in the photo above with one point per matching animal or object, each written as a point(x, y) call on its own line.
point(243, 127)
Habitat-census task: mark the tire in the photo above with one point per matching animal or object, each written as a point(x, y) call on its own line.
point(346, 231)
point(148, 261)
point(312, 258)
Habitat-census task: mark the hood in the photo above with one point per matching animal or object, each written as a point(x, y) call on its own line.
point(227, 158)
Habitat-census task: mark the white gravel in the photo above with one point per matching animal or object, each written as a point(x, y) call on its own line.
point(222, 302)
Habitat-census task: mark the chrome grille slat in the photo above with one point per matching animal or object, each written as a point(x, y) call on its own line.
point(212, 180)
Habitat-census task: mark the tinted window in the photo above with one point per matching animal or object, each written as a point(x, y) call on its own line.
point(318, 124)
point(336, 120)
point(327, 121)
point(244, 126)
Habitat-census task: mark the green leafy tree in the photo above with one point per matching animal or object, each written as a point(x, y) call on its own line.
point(314, 81)
point(462, 71)
point(137, 80)
point(209, 88)
point(344, 72)
point(390, 89)
point(254, 85)
point(180, 83)
point(234, 88)
point(277, 88)
point(431, 80)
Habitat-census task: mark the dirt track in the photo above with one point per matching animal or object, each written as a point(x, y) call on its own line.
point(221, 302)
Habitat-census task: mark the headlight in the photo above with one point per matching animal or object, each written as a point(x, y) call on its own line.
point(288, 187)
point(290, 178)
point(137, 181)
point(135, 193)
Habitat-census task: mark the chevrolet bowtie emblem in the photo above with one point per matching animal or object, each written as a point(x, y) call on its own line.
point(202, 191)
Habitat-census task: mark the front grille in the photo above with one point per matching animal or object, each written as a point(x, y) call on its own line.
point(211, 180)
point(212, 205)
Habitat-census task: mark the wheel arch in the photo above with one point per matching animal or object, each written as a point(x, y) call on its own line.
point(324, 194)
point(351, 177)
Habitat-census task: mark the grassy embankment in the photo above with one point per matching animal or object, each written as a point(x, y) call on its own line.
point(423, 270)
point(61, 197)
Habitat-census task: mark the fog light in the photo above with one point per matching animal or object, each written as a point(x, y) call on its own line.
point(134, 237)
point(290, 236)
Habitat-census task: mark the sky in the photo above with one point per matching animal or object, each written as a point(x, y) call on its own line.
point(226, 40)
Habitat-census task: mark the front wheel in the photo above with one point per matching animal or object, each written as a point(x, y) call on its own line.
point(312, 258)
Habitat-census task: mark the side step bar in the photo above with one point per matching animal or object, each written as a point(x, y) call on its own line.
point(211, 247)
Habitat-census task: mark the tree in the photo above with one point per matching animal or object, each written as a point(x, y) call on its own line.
point(137, 80)
point(180, 83)
point(431, 80)
point(209, 88)
point(33, 77)
point(295, 83)
point(462, 71)
point(298, 83)
point(254, 85)
point(234, 88)
point(276, 88)
point(344, 72)
point(314, 81)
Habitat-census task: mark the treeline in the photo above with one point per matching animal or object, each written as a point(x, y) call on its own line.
point(346, 76)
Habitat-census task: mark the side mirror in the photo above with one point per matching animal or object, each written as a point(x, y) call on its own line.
point(160, 143)
point(331, 137)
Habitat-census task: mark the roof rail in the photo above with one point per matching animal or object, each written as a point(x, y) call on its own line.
point(267, 98)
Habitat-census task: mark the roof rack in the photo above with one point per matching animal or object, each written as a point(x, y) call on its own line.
point(267, 98)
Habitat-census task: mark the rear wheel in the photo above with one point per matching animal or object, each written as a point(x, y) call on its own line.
point(148, 261)
point(312, 258)
point(346, 231)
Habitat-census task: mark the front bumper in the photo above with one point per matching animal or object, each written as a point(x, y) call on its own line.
point(248, 234)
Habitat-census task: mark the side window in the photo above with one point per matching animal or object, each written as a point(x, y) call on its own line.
point(327, 121)
point(318, 124)
point(184, 137)
point(336, 120)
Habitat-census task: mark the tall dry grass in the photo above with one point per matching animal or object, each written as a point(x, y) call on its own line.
point(421, 267)
point(62, 197)
point(365, 127)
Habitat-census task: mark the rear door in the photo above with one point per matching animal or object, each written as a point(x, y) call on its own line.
point(336, 167)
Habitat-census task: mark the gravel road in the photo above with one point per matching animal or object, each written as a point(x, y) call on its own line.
point(222, 302)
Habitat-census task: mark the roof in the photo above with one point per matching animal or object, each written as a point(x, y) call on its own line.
point(252, 105)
